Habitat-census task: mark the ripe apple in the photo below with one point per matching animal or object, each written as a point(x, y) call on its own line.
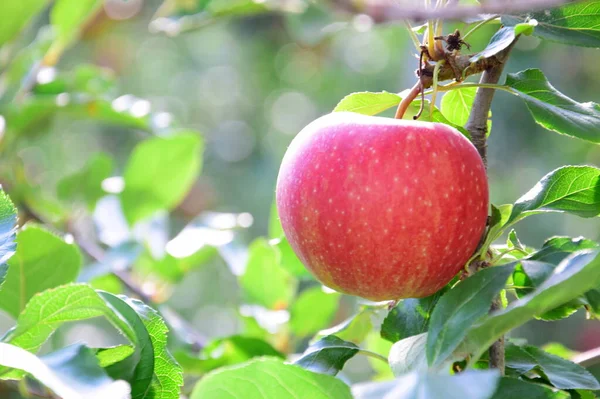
point(382, 208)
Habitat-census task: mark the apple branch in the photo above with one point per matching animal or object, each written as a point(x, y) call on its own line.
point(392, 10)
point(477, 127)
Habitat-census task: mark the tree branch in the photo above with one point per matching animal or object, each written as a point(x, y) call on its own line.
point(392, 10)
point(177, 323)
point(477, 127)
point(588, 358)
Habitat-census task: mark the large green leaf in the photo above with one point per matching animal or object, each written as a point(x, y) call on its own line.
point(355, 329)
point(42, 260)
point(71, 373)
point(575, 24)
point(512, 388)
point(532, 274)
point(460, 308)
point(471, 384)
point(456, 106)
point(501, 40)
point(159, 173)
point(16, 14)
point(409, 355)
point(561, 373)
point(264, 282)
point(327, 355)
point(552, 109)
point(8, 221)
point(574, 276)
point(368, 103)
point(268, 378)
point(86, 184)
point(572, 189)
point(562, 246)
point(167, 376)
point(289, 261)
point(140, 367)
point(409, 317)
point(151, 371)
point(68, 18)
point(312, 311)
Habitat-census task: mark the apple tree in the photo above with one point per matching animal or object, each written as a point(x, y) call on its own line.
point(381, 213)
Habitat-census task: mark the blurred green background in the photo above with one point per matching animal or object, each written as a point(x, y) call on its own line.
point(250, 84)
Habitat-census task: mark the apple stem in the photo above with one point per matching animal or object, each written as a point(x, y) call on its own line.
point(405, 103)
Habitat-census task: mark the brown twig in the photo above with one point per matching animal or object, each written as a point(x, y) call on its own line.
point(177, 323)
point(392, 10)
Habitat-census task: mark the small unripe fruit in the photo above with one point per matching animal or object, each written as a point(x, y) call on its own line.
point(382, 208)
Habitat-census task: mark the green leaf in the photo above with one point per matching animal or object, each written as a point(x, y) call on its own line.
point(460, 308)
point(552, 109)
point(167, 379)
point(355, 329)
point(289, 260)
point(141, 366)
point(222, 352)
point(8, 245)
point(562, 246)
point(558, 349)
point(501, 40)
point(17, 14)
point(513, 241)
point(159, 173)
point(264, 282)
point(42, 260)
point(86, 184)
point(575, 275)
point(572, 189)
point(512, 388)
point(312, 311)
point(409, 355)
point(409, 317)
point(68, 17)
point(575, 23)
point(368, 103)
point(275, 228)
point(532, 274)
point(166, 376)
point(151, 370)
point(471, 384)
point(268, 378)
point(72, 372)
point(561, 373)
point(328, 355)
point(456, 106)
point(435, 116)
point(109, 356)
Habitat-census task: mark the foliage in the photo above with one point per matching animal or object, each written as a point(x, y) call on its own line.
point(115, 231)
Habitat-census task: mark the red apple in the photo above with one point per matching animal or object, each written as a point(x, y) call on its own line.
point(382, 208)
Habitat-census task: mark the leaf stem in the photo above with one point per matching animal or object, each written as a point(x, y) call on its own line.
point(413, 36)
point(373, 355)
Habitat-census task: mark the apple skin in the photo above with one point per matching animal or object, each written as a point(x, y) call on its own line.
point(382, 208)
